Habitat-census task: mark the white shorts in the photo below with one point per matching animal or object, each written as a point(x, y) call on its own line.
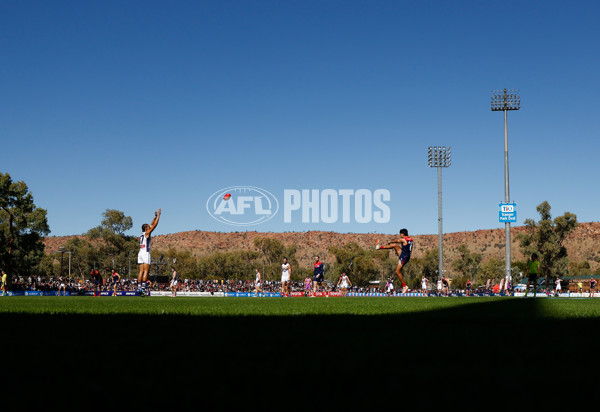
point(344, 285)
point(174, 283)
point(285, 277)
point(143, 257)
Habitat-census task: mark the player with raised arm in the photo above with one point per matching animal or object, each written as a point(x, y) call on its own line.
point(144, 253)
point(424, 288)
point(403, 247)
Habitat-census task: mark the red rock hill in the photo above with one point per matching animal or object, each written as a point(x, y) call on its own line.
point(582, 244)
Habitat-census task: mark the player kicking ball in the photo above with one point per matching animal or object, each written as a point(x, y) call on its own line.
point(403, 247)
point(144, 253)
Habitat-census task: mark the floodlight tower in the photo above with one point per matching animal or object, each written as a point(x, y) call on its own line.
point(439, 156)
point(505, 100)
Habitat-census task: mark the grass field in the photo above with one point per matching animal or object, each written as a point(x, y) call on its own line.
point(344, 351)
point(455, 308)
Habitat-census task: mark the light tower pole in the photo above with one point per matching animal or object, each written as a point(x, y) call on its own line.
point(69, 252)
point(62, 252)
point(505, 100)
point(439, 156)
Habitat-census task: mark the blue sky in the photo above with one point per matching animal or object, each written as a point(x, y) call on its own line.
point(136, 105)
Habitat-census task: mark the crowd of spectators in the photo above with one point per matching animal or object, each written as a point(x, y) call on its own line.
point(73, 285)
point(76, 285)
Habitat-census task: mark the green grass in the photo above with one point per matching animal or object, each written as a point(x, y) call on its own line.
point(224, 306)
point(360, 351)
point(457, 308)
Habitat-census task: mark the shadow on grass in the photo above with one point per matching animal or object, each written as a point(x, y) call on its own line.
point(500, 351)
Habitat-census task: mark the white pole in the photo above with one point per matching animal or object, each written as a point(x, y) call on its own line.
point(507, 258)
point(440, 226)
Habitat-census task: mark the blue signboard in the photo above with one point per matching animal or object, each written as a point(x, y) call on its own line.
point(508, 213)
point(251, 294)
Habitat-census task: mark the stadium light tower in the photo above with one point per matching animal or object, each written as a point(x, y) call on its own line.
point(505, 100)
point(439, 156)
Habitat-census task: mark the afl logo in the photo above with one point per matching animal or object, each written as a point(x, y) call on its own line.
point(242, 205)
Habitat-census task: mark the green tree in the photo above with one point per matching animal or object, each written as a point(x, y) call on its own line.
point(490, 269)
point(235, 265)
point(48, 266)
point(431, 264)
point(546, 238)
point(83, 256)
point(360, 264)
point(467, 264)
point(519, 267)
point(416, 268)
point(183, 261)
point(112, 230)
point(114, 247)
point(580, 268)
point(273, 251)
point(22, 228)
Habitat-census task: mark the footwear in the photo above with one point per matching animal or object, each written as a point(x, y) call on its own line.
point(405, 289)
point(377, 245)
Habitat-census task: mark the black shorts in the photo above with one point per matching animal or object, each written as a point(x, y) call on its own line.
point(318, 278)
point(533, 277)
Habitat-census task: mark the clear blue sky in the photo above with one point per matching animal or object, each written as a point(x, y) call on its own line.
point(136, 105)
